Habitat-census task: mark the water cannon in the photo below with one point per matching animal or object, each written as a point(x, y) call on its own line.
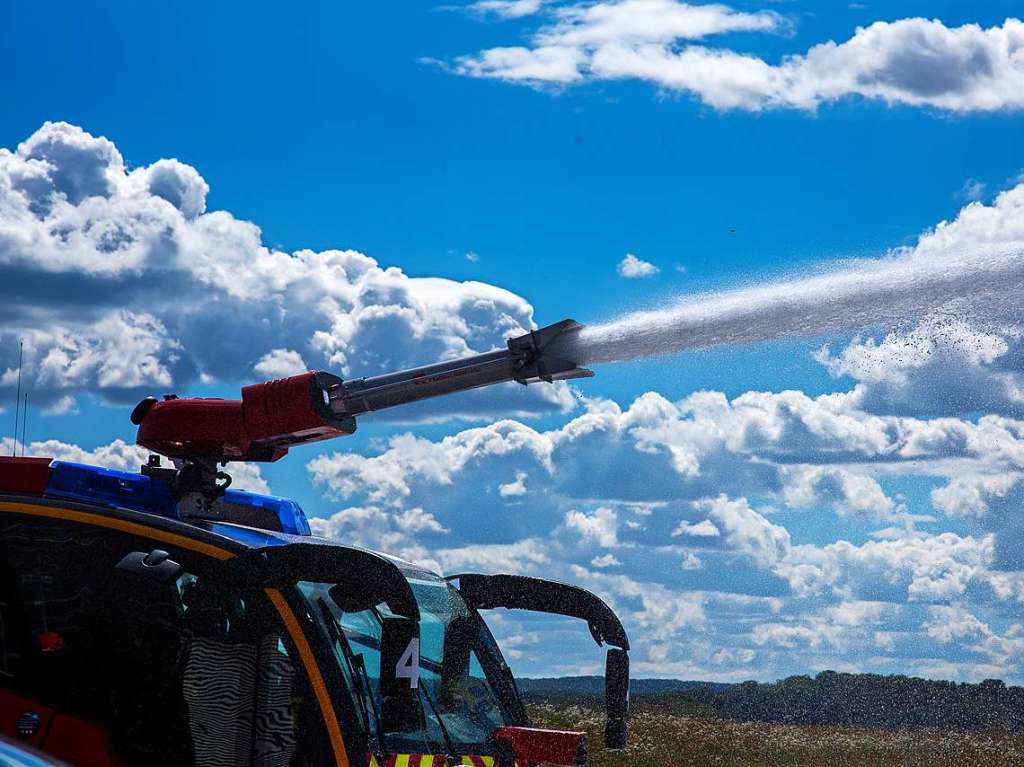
point(198, 433)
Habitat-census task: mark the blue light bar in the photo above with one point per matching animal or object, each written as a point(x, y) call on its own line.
point(121, 489)
point(108, 487)
point(247, 509)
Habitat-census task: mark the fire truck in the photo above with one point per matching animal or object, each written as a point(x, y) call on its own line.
point(163, 618)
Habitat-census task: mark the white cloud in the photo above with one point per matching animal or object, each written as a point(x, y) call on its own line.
point(944, 366)
point(858, 613)
point(946, 623)
point(529, 556)
point(703, 529)
point(792, 636)
point(507, 9)
point(381, 530)
point(747, 531)
point(107, 242)
point(513, 489)
point(602, 526)
point(972, 495)
point(633, 268)
point(691, 562)
point(66, 405)
point(686, 470)
point(280, 363)
point(924, 569)
point(644, 21)
point(914, 61)
point(543, 64)
point(846, 491)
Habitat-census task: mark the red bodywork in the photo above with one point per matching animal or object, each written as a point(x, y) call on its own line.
point(270, 417)
point(74, 740)
point(532, 745)
point(24, 475)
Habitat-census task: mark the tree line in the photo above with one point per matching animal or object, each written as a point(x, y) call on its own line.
point(870, 700)
point(832, 698)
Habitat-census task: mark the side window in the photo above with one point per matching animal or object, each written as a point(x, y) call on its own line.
point(184, 671)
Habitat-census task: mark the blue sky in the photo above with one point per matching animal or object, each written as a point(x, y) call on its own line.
point(450, 142)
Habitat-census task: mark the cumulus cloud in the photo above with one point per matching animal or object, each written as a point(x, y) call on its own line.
point(122, 283)
point(602, 525)
point(846, 491)
point(746, 531)
point(605, 560)
point(633, 268)
point(516, 488)
point(703, 529)
point(280, 363)
point(686, 493)
point(992, 503)
point(916, 61)
point(691, 562)
point(943, 366)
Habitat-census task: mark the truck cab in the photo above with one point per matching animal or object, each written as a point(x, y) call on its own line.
point(131, 634)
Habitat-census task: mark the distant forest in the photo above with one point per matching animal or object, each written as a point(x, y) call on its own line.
point(830, 698)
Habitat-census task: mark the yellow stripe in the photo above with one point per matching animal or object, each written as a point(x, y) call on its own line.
point(488, 761)
point(133, 528)
point(402, 760)
point(315, 678)
point(373, 761)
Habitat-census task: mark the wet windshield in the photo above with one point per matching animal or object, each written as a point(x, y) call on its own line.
point(460, 667)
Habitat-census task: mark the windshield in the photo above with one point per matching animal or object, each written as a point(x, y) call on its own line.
point(461, 669)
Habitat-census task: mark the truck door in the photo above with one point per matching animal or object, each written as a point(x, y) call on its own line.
point(517, 592)
point(118, 649)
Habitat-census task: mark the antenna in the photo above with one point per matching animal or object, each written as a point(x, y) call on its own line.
point(24, 425)
point(17, 397)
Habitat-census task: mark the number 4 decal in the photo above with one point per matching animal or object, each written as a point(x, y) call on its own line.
point(409, 664)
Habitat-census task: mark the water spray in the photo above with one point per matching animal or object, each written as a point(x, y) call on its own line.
point(867, 294)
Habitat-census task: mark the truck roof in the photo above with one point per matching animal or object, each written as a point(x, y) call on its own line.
point(253, 520)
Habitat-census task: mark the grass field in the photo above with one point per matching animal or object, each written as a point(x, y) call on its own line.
point(667, 739)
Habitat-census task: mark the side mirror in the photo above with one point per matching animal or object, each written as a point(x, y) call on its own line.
point(400, 675)
point(616, 698)
point(156, 565)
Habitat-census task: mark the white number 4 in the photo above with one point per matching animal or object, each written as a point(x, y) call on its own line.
point(409, 664)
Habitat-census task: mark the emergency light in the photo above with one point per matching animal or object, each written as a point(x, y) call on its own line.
point(120, 489)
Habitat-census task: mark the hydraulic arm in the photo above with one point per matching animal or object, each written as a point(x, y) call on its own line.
point(275, 415)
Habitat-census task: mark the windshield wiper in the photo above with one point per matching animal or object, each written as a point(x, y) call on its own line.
point(448, 742)
point(360, 678)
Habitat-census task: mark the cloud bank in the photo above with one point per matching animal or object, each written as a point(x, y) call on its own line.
point(874, 528)
point(681, 514)
point(915, 61)
point(122, 283)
